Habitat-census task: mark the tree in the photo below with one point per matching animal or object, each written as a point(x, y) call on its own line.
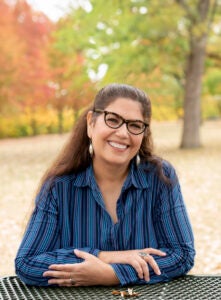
point(33, 30)
point(71, 85)
point(199, 15)
point(136, 38)
point(9, 59)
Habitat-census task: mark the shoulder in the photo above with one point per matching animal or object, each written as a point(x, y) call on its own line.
point(151, 167)
point(168, 169)
point(64, 179)
point(59, 190)
point(74, 181)
point(161, 171)
point(50, 186)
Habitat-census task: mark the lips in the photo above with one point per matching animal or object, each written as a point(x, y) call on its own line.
point(118, 146)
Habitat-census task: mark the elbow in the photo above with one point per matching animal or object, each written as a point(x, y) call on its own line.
point(187, 261)
point(27, 273)
point(183, 263)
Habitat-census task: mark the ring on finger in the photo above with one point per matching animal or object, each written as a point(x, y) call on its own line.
point(142, 254)
point(72, 281)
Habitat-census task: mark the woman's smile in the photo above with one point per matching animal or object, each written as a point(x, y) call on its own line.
point(118, 145)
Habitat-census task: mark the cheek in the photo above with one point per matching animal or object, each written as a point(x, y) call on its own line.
point(138, 142)
point(97, 131)
point(93, 129)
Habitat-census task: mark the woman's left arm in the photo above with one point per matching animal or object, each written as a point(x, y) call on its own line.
point(173, 234)
point(173, 229)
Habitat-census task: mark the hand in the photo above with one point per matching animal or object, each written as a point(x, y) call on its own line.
point(90, 272)
point(132, 257)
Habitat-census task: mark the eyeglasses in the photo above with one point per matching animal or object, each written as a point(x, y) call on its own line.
point(115, 121)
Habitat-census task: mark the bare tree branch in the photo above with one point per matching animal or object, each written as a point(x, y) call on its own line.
point(187, 8)
point(213, 11)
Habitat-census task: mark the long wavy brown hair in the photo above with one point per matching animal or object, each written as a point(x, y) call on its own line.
point(75, 156)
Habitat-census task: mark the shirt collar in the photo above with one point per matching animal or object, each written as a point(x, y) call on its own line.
point(86, 178)
point(137, 177)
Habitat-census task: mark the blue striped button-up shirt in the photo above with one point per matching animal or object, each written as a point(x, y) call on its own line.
point(72, 215)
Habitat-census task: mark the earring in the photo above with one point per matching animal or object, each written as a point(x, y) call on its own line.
point(137, 160)
point(91, 149)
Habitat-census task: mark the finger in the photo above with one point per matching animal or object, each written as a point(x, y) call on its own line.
point(61, 282)
point(65, 267)
point(155, 251)
point(151, 261)
point(146, 273)
point(144, 267)
point(56, 274)
point(137, 266)
point(83, 254)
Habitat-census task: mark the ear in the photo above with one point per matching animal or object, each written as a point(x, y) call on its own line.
point(89, 123)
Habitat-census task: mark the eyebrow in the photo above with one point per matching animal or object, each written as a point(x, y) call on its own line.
point(128, 120)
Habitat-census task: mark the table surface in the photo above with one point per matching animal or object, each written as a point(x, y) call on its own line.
point(206, 287)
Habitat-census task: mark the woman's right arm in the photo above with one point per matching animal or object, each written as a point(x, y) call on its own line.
point(40, 246)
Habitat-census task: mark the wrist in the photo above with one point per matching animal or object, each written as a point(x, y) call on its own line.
point(111, 277)
point(104, 256)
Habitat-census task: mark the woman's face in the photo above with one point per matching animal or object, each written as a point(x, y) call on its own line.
point(115, 146)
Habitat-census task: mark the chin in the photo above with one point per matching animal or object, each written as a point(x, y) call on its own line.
point(118, 163)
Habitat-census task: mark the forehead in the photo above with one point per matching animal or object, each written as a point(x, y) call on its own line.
point(127, 108)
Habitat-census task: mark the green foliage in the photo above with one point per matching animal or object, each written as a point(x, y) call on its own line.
point(213, 81)
point(141, 42)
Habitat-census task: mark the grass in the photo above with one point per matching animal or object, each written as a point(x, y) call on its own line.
point(24, 160)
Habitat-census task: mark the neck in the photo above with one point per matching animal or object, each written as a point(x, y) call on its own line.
point(110, 173)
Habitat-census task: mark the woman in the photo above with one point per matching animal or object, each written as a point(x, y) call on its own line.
point(108, 211)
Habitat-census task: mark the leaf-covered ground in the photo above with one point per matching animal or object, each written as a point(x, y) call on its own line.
point(23, 162)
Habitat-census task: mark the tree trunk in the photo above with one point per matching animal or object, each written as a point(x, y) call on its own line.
point(60, 121)
point(192, 95)
point(194, 71)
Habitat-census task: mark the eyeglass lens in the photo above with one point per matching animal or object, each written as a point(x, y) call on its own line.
point(115, 121)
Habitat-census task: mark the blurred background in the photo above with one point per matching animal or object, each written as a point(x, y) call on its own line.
point(53, 59)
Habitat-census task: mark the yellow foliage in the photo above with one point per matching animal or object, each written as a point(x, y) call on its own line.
point(44, 121)
point(164, 108)
point(164, 113)
point(211, 107)
point(30, 123)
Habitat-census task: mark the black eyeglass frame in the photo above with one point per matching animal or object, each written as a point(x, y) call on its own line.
point(123, 121)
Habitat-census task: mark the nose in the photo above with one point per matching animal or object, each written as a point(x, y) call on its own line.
point(122, 130)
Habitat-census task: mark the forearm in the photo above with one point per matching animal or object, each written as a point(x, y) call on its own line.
point(92, 271)
point(175, 263)
point(109, 277)
point(30, 268)
point(178, 261)
point(110, 256)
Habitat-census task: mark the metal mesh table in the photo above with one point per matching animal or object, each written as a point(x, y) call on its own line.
point(184, 288)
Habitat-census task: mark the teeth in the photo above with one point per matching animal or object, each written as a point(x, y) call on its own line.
point(116, 145)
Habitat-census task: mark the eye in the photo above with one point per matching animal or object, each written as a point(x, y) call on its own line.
point(113, 120)
point(136, 126)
